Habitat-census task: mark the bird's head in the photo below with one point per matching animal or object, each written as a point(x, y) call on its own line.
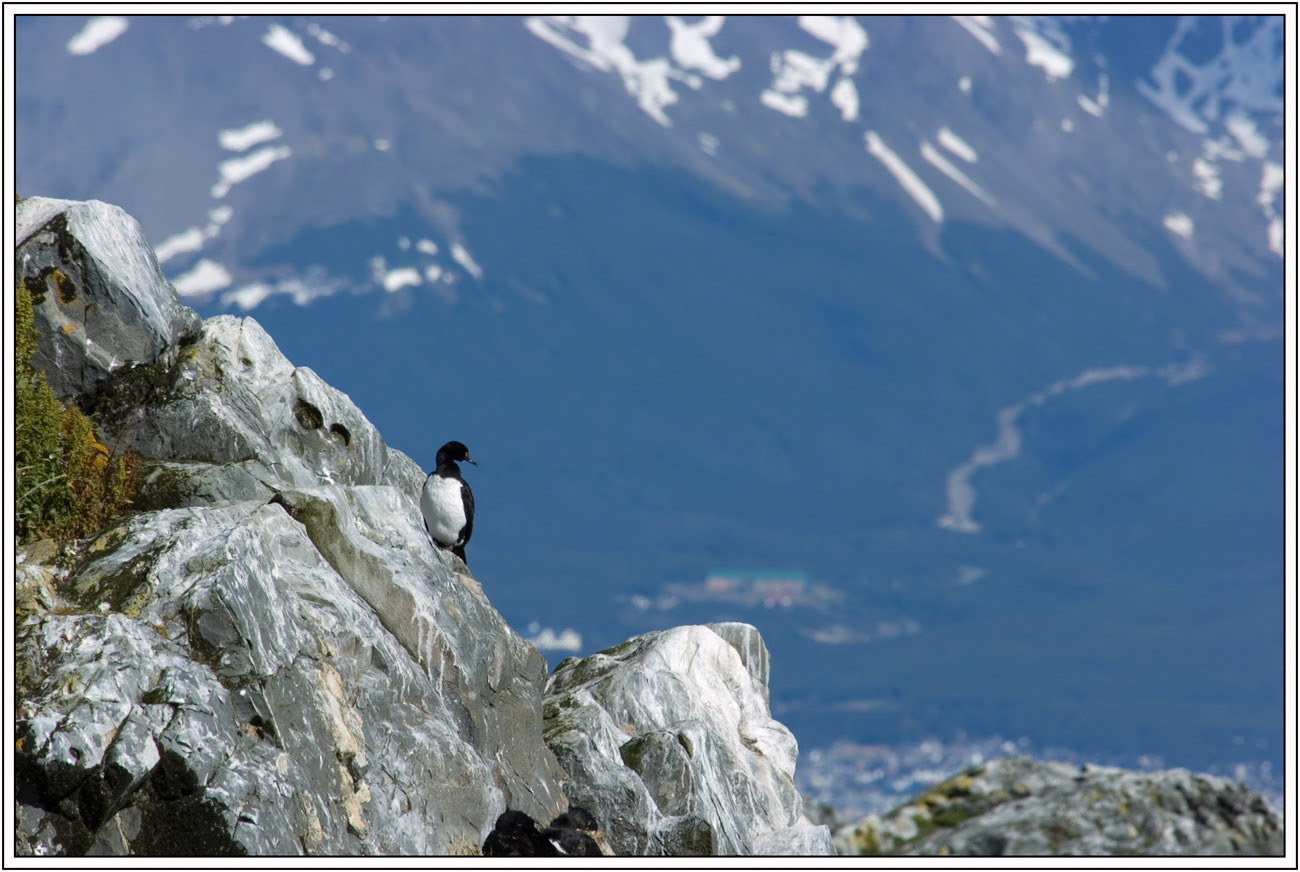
point(455, 451)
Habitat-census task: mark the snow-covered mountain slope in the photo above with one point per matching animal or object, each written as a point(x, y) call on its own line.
point(1069, 132)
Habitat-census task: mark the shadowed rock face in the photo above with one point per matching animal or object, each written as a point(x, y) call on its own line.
point(101, 301)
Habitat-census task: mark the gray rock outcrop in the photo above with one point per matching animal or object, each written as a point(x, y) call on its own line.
point(270, 657)
point(1017, 806)
point(101, 301)
point(669, 738)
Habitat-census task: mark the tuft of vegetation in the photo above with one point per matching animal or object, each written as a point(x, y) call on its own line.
point(68, 484)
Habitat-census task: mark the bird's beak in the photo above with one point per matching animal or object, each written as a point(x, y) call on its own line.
point(468, 460)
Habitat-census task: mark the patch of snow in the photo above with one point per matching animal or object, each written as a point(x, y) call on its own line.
point(395, 280)
point(301, 290)
point(1214, 149)
point(647, 81)
point(936, 159)
point(546, 639)
point(179, 243)
point(901, 172)
point(845, 34)
point(1270, 185)
point(795, 71)
point(957, 145)
point(1180, 224)
point(979, 27)
point(462, 256)
point(205, 277)
point(244, 138)
point(247, 297)
point(426, 246)
point(193, 238)
point(1039, 52)
point(794, 105)
point(691, 50)
point(237, 169)
point(1247, 135)
point(1207, 179)
point(289, 44)
point(432, 273)
point(1097, 107)
point(97, 33)
point(844, 96)
point(324, 37)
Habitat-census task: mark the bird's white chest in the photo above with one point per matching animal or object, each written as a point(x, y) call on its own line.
point(443, 508)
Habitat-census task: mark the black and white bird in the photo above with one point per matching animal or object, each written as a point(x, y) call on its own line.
point(447, 502)
point(570, 834)
point(516, 835)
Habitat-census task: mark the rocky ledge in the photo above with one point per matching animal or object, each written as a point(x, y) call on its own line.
point(270, 657)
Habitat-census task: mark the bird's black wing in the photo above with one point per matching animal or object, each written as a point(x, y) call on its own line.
point(467, 496)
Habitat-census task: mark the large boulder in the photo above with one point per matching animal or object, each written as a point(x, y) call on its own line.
point(1018, 806)
point(669, 740)
point(101, 301)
